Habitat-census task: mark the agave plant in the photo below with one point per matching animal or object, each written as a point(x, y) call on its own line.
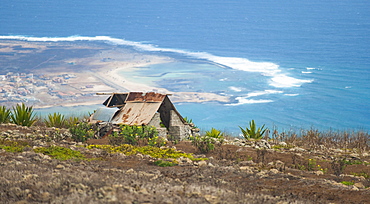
point(55, 120)
point(214, 133)
point(253, 132)
point(189, 121)
point(23, 115)
point(4, 114)
point(72, 120)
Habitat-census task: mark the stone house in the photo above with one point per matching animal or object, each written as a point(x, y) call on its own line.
point(138, 108)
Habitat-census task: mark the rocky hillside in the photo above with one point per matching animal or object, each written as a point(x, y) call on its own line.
point(238, 171)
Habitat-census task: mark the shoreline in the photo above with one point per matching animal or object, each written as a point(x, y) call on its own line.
point(111, 73)
point(89, 103)
point(95, 66)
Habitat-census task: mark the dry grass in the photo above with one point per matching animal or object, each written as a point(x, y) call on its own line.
point(233, 174)
point(316, 140)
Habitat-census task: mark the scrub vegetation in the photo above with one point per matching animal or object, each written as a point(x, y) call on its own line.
point(65, 160)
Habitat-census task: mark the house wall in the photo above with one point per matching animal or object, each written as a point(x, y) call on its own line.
point(166, 114)
point(178, 130)
point(156, 122)
point(165, 111)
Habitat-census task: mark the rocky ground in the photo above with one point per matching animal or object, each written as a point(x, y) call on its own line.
point(238, 171)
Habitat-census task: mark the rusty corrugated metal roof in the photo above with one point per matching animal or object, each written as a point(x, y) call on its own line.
point(134, 113)
point(136, 108)
point(145, 97)
point(119, 99)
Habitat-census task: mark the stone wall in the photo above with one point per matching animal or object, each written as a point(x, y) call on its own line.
point(178, 130)
point(156, 122)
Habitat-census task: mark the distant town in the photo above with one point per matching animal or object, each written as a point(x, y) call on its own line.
point(42, 89)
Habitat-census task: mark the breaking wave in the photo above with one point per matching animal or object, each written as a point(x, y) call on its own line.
point(248, 99)
point(278, 79)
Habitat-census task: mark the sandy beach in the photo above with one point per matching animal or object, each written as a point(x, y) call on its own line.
point(112, 74)
point(95, 68)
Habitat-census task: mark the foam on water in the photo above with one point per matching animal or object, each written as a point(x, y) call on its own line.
point(236, 89)
point(249, 101)
point(260, 93)
point(284, 81)
point(277, 77)
point(247, 98)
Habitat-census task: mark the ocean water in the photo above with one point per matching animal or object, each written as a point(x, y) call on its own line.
point(288, 65)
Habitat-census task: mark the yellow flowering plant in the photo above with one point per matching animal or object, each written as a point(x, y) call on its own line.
point(157, 141)
point(156, 152)
point(323, 170)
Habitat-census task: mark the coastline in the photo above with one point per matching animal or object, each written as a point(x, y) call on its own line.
point(111, 74)
point(95, 67)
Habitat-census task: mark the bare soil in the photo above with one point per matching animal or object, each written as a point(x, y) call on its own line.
point(232, 174)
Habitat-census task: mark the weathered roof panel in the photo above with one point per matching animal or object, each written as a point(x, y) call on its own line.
point(104, 114)
point(135, 107)
point(145, 97)
point(134, 113)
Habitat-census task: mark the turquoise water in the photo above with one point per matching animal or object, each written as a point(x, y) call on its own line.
point(292, 64)
point(73, 111)
point(194, 77)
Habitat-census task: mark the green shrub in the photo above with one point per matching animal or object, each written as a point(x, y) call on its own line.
point(23, 115)
point(162, 163)
point(279, 147)
point(300, 167)
point(311, 164)
point(363, 173)
point(55, 120)
point(353, 162)
point(133, 134)
point(157, 141)
point(4, 114)
point(61, 153)
point(71, 121)
point(205, 143)
point(253, 132)
point(13, 146)
point(160, 153)
point(82, 132)
point(347, 183)
point(323, 170)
